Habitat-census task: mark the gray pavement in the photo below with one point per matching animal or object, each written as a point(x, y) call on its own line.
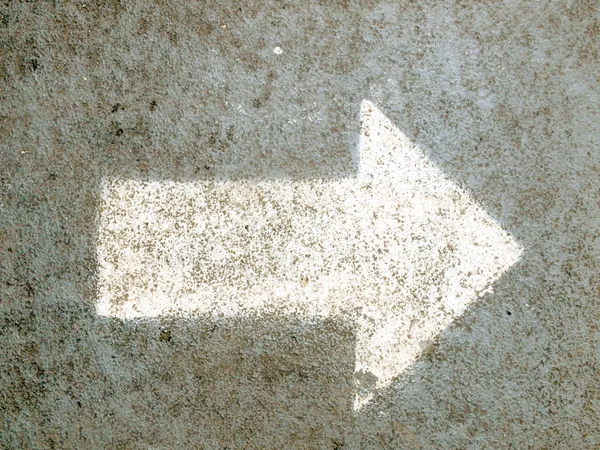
point(503, 99)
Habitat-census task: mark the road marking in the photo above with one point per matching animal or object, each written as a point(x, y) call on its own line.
point(399, 249)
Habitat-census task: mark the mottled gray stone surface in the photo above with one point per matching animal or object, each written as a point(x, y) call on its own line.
point(504, 97)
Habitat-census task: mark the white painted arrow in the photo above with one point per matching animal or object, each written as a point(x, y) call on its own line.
point(399, 249)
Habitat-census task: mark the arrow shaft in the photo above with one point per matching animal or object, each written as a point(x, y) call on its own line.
point(173, 241)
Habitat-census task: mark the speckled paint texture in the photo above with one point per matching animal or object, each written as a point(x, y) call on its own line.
point(502, 97)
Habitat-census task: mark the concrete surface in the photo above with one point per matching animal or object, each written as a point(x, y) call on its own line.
point(504, 98)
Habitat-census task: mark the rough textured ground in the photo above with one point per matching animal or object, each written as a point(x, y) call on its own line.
point(504, 97)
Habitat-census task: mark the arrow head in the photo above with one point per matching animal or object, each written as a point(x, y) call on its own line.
point(444, 251)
